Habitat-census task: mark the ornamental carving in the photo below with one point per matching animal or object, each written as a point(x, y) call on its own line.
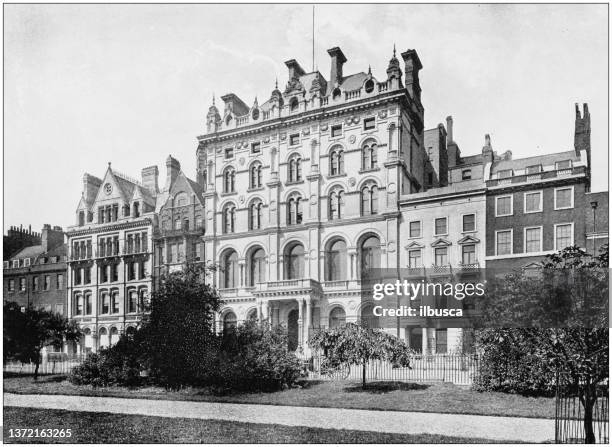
point(314, 142)
point(324, 127)
point(266, 140)
point(283, 136)
point(306, 131)
point(241, 199)
point(352, 139)
point(272, 258)
point(241, 161)
point(273, 205)
point(313, 199)
point(391, 247)
point(382, 114)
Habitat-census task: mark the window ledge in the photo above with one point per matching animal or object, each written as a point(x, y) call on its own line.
point(336, 175)
point(365, 171)
point(295, 182)
point(259, 188)
point(225, 194)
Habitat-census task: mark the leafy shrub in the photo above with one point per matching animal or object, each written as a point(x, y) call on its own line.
point(117, 365)
point(255, 357)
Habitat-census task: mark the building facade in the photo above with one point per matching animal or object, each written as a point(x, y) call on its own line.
point(110, 259)
point(36, 275)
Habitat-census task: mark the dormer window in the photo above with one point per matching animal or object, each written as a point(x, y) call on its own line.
point(535, 169)
point(466, 174)
point(506, 173)
point(336, 93)
point(81, 218)
point(369, 86)
point(255, 114)
point(294, 105)
point(565, 164)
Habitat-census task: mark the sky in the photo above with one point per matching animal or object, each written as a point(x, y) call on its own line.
point(85, 85)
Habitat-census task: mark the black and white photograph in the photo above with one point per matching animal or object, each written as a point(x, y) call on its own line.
point(305, 223)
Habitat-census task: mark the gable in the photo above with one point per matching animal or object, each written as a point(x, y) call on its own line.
point(113, 193)
point(441, 242)
point(414, 244)
point(468, 240)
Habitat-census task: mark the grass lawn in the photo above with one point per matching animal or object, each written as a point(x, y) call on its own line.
point(121, 428)
point(438, 398)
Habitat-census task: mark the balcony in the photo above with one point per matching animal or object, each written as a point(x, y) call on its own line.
point(537, 177)
point(415, 272)
point(198, 231)
point(440, 270)
point(80, 256)
point(472, 267)
point(288, 288)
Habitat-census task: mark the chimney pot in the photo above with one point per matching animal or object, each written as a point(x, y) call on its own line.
point(449, 129)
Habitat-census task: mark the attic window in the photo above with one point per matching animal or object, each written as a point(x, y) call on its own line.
point(294, 104)
point(255, 114)
point(369, 86)
point(466, 174)
point(535, 169)
point(336, 93)
point(294, 139)
point(506, 173)
point(336, 131)
point(256, 148)
point(369, 123)
point(565, 164)
point(229, 152)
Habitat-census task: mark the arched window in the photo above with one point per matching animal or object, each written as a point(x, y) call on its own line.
point(81, 218)
point(336, 161)
point(255, 174)
point(229, 321)
point(336, 204)
point(114, 335)
point(335, 261)
point(369, 200)
point(368, 319)
point(369, 86)
point(369, 156)
point(336, 93)
point(295, 168)
point(255, 214)
point(294, 104)
point(294, 262)
point(88, 309)
point(229, 218)
point(255, 114)
point(130, 332)
point(369, 254)
point(294, 210)
point(180, 199)
point(258, 267)
point(337, 318)
point(231, 270)
point(229, 179)
point(103, 333)
point(252, 315)
point(78, 304)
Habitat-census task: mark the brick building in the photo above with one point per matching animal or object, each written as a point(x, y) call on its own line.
point(36, 275)
point(17, 238)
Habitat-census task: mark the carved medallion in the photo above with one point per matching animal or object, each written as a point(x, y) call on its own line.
point(352, 181)
point(352, 139)
point(241, 199)
point(382, 114)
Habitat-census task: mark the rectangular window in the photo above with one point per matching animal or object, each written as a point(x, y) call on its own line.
point(440, 226)
point(11, 285)
point(503, 206)
point(26, 262)
point(533, 239)
point(87, 275)
point(505, 173)
point(564, 236)
point(535, 169)
point(59, 309)
point(22, 284)
point(369, 123)
point(60, 281)
point(441, 341)
point(441, 256)
point(336, 131)
point(468, 254)
point(114, 272)
point(141, 270)
point(469, 222)
point(47, 282)
point(103, 274)
point(466, 174)
point(256, 148)
point(564, 198)
point(105, 303)
point(503, 242)
point(35, 284)
point(16, 263)
point(414, 259)
point(564, 164)
point(294, 139)
point(415, 229)
point(229, 152)
point(533, 202)
point(6, 264)
point(115, 303)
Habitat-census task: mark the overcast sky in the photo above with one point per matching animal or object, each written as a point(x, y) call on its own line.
point(130, 84)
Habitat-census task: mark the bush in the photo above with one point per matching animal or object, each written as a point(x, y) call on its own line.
point(255, 357)
point(118, 365)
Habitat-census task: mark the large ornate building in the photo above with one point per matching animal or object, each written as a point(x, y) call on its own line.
point(298, 197)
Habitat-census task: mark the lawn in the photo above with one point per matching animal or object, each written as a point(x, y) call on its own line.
point(438, 398)
point(121, 428)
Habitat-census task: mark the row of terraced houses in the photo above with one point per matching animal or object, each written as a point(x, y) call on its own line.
point(295, 198)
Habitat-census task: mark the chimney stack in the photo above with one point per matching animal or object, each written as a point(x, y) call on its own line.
point(295, 69)
point(173, 167)
point(582, 131)
point(150, 177)
point(411, 72)
point(337, 60)
point(449, 130)
point(51, 238)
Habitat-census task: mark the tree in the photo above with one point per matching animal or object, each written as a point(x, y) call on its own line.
point(178, 335)
point(352, 344)
point(551, 324)
point(27, 333)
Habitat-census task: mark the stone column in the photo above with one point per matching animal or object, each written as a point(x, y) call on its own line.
point(242, 264)
point(265, 311)
point(300, 302)
point(308, 322)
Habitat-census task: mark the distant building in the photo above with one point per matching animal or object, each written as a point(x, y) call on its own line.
point(36, 275)
point(17, 238)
